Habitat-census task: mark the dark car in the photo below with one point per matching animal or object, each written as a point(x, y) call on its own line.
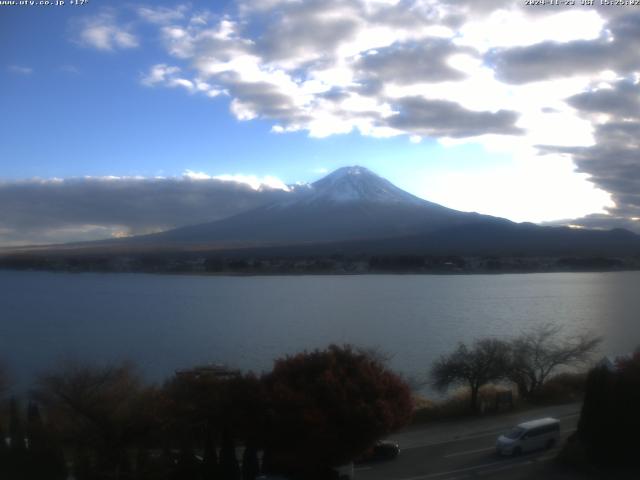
point(383, 450)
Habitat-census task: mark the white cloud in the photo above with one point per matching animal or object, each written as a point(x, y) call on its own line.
point(515, 27)
point(20, 69)
point(191, 175)
point(159, 74)
point(169, 76)
point(161, 15)
point(103, 33)
point(255, 182)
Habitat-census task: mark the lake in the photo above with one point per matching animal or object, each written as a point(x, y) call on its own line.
point(165, 322)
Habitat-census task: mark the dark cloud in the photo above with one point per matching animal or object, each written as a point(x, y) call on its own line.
point(624, 101)
point(615, 50)
point(262, 98)
point(315, 28)
point(37, 211)
point(443, 118)
point(547, 60)
point(613, 162)
point(412, 63)
point(600, 221)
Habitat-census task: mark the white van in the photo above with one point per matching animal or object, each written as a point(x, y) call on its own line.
point(528, 436)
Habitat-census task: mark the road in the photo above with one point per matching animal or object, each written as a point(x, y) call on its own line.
point(466, 449)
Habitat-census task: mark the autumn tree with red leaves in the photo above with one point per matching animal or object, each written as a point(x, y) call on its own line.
point(326, 407)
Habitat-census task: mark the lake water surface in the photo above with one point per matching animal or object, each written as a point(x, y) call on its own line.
point(165, 322)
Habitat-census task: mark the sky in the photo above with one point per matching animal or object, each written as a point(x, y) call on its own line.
point(120, 118)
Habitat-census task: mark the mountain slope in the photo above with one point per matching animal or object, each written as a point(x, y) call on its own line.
point(354, 211)
point(351, 203)
point(511, 239)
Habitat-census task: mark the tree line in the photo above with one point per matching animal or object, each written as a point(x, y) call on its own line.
point(312, 412)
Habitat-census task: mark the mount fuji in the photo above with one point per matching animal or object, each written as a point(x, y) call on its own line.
point(350, 204)
point(354, 211)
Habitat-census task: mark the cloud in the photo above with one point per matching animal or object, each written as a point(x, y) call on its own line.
point(622, 101)
point(318, 66)
point(550, 60)
point(441, 118)
point(253, 181)
point(20, 69)
point(613, 161)
point(159, 74)
point(332, 67)
point(539, 85)
point(507, 28)
point(170, 76)
point(412, 62)
point(308, 25)
point(103, 33)
point(601, 222)
point(62, 210)
point(613, 50)
point(161, 15)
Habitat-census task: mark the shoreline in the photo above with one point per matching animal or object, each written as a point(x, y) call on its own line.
point(241, 274)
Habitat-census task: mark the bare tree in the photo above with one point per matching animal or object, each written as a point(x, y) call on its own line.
point(103, 409)
point(485, 361)
point(536, 354)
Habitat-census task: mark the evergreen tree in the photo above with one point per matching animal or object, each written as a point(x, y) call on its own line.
point(610, 417)
point(594, 418)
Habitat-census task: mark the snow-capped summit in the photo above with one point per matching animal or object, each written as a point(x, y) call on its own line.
point(357, 184)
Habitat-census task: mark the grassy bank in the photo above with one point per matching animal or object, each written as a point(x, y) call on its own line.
point(562, 388)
